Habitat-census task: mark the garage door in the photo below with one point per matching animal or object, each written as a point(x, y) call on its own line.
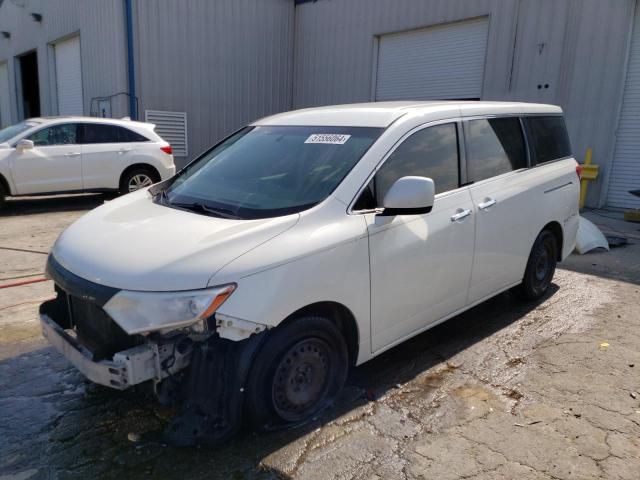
point(5, 105)
point(442, 62)
point(69, 77)
point(625, 170)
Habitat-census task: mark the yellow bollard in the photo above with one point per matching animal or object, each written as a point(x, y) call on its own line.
point(589, 173)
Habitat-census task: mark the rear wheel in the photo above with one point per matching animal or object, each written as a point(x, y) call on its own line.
point(3, 196)
point(541, 267)
point(299, 371)
point(138, 178)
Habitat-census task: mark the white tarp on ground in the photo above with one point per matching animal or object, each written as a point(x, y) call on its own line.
point(589, 237)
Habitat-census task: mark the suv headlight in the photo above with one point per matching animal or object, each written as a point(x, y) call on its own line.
point(138, 312)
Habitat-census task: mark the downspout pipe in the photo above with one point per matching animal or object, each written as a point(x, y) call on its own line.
point(133, 106)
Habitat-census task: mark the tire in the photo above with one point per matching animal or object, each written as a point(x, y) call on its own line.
point(3, 197)
point(138, 178)
point(541, 267)
point(298, 372)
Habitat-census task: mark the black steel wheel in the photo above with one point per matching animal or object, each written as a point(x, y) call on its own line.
point(301, 379)
point(541, 267)
point(299, 370)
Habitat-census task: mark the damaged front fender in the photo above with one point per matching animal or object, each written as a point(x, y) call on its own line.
point(212, 391)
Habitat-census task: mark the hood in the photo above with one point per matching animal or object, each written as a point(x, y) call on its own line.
point(132, 243)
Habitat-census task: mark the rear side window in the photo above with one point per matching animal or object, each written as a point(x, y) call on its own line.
point(495, 146)
point(548, 138)
point(431, 152)
point(97, 133)
point(94, 133)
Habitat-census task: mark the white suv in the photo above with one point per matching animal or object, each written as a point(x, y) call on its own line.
point(310, 241)
point(81, 154)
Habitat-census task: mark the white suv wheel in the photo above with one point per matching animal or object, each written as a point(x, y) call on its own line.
point(139, 181)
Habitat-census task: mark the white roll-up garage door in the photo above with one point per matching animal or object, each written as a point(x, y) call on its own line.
point(69, 77)
point(625, 169)
point(5, 105)
point(441, 62)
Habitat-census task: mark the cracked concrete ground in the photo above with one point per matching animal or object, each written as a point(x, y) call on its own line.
point(507, 390)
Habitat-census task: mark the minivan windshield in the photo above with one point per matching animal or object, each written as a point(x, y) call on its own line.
point(268, 171)
point(11, 131)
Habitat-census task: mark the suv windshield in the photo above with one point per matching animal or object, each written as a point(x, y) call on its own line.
point(268, 171)
point(8, 133)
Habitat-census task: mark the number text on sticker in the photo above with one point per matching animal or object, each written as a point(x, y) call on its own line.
point(330, 138)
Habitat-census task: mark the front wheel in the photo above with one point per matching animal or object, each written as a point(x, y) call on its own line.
point(541, 267)
point(300, 369)
point(3, 196)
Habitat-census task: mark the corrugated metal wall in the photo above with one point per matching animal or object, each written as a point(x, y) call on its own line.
point(336, 42)
point(625, 171)
point(224, 62)
point(101, 27)
point(567, 52)
point(596, 52)
point(227, 62)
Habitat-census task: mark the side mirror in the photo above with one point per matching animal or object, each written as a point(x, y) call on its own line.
point(409, 196)
point(25, 144)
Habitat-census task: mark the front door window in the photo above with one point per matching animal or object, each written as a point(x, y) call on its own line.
point(55, 135)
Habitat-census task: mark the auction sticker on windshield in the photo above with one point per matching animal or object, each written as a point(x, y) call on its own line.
point(330, 138)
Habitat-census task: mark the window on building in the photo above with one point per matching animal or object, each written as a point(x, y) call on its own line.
point(495, 146)
point(548, 138)
point(431, 152)
point(55, 135)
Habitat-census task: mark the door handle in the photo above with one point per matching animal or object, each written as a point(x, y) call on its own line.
point(460, 214)
point(72, 154)
point(124, 150)
point(488, 202)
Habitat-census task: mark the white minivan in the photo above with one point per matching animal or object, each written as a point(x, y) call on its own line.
point(42, 156)
point(308, 242)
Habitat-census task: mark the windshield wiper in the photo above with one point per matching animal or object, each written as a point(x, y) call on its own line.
point(202, 208)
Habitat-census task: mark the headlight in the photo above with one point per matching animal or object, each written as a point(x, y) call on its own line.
point(138, 312)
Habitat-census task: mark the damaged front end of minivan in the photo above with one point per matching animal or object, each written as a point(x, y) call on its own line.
point(173, 340)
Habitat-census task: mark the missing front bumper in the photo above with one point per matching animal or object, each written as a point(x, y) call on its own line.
point(129, 367)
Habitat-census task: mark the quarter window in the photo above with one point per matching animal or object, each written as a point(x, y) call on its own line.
point(126, 135)
point(431, 152)
point(55, 135)
point(548, 138)
point(495, 146)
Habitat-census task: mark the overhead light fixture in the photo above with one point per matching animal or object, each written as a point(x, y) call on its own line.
point(6, 34)
point(37, 17)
